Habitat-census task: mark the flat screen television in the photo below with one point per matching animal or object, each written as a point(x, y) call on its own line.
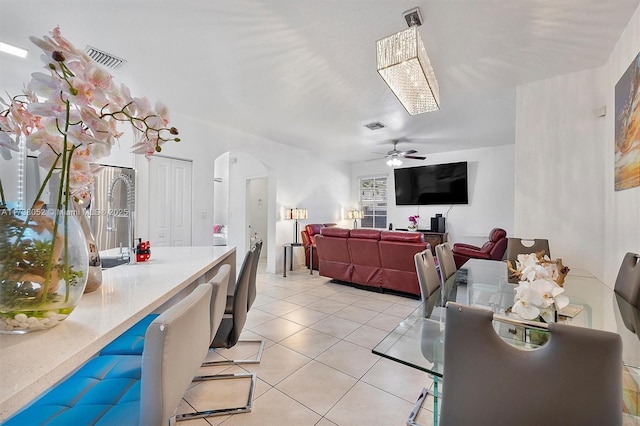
point(433, 184)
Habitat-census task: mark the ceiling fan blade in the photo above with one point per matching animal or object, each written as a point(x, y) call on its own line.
point(411, 151)
point(380, 153)
point(415, 157)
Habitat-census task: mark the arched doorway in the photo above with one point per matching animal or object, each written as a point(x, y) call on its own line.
point(244, 192)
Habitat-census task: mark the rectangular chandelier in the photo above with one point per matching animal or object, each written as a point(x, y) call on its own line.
point(405, 67)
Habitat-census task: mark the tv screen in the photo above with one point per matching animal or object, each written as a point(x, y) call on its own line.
point(434, 184)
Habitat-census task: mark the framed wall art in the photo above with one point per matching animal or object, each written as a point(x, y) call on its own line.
point(627, 128)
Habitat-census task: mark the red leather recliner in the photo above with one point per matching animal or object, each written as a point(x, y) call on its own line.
point(333, 253)
point(397, 250)
point(491, 250)
point(308, 235)
point(365, 256)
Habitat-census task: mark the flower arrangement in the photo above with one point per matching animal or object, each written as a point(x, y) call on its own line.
point(68, 117)
point(539, 291)
point(413, 222)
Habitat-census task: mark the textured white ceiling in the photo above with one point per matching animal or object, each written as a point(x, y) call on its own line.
point(302, 72)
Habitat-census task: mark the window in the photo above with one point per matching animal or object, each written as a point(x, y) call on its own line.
point(373, 202)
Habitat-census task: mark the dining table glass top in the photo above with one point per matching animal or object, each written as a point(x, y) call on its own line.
point(418, 340)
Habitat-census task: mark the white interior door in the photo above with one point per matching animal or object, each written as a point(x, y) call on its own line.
point(181, 217)
point(170, 202)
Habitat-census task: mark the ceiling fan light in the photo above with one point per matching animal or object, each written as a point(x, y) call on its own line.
point(394, 162)
point(403, 63)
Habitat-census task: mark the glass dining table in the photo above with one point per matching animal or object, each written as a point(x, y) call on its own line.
point(418, 340)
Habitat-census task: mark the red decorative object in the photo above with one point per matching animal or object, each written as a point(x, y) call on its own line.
point(143, 251)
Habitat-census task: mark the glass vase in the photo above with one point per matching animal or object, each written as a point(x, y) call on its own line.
point(94, 271)
point(43, 267)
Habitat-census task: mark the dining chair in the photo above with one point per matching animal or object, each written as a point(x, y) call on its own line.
point(446, 262)
point(217, 319)
point(251, 297)
point(575, 378)
point(629, 314)
point(429, 284)
point(428, 280)
point(628, 280)
point(247, 278)
point(516, 246)
point(175, 344)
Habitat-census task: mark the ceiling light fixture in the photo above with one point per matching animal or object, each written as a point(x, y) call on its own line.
point(394, 162)
point(375, 126)
point(405, 67)
point(13, 50)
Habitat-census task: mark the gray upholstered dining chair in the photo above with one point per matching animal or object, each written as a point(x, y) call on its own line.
point(628, 280)
point(516, 246)
point(218, 318)
point(428, 280)
point(446, 262)
point(574, 379)
point(253, 272)
point(247, 279)
point(175, 344)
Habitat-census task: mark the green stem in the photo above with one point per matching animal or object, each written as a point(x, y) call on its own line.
point(67, 275)
point(63, 176)
point(31, 210)
point(2, 200)
point(47, 178)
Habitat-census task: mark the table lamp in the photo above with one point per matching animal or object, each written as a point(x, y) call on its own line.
point(355, 215)
point(296, 214)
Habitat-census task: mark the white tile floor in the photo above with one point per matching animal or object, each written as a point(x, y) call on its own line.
point(317, 367)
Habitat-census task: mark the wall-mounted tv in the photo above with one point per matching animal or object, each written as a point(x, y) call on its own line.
point(433, 184)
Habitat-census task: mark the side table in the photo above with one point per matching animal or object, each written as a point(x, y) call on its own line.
point(289, 246)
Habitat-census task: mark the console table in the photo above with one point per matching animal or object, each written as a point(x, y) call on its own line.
point(431, 237)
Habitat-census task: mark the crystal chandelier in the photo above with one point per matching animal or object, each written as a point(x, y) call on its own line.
point(405, 67)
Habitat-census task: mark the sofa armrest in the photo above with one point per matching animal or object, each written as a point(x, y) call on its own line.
point(475, 253)
point(458, 246)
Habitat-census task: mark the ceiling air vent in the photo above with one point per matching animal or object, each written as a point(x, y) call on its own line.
point(375, 126)
point(105, 59)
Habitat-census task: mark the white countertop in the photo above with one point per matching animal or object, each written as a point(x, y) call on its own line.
point(31, 363)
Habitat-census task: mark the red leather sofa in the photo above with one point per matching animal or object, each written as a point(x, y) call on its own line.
point(308, 235)
point(382, 260)
point(493, 249)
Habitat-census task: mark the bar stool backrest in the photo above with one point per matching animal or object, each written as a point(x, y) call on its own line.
point(175, 345)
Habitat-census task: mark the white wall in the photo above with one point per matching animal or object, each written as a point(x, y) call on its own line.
point(565, 157)
point(491, 192)
point(297, 178)
point(560, 172)
point(622, 208)
point(221, 190)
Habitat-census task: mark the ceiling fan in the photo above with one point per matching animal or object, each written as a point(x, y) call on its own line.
point(394, 156)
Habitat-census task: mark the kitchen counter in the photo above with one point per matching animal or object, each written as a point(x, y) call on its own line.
point(33, 362)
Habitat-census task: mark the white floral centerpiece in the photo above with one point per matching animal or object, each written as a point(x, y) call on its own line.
point(68, 116)
point(539, 290)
